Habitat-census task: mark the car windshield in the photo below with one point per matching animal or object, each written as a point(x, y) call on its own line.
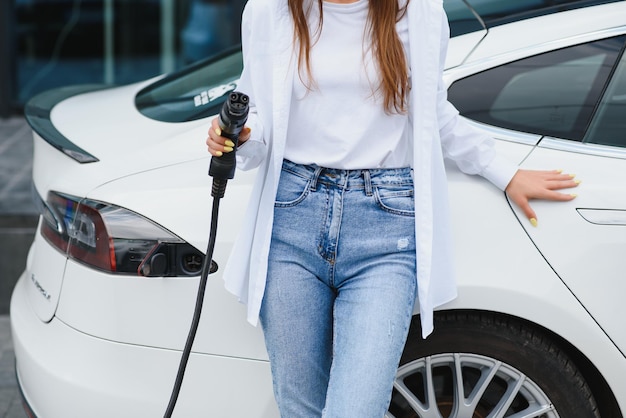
point(194, 93)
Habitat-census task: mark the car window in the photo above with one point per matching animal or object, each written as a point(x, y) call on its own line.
point(194, 93)
point(608, 126)
point(551, 94)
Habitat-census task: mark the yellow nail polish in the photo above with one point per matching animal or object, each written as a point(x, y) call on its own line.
point(560, 170)
point(572, 175)
point(218, 153)
point(577, 181)
point(574, 195)
point(218, 131)
point(228, 149)
point(533, 221)
point(229, 143)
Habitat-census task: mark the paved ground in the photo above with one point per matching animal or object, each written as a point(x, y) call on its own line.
point(18, 215)
point(16, 148)
point(10, 400)
point(17, 227)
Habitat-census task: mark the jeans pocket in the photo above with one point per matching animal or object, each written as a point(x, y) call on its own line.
point(396, 199)
point(292, 189)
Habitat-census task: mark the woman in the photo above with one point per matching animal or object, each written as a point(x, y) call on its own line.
point(348, 220)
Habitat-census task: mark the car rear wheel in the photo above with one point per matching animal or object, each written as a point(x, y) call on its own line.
point(482, 366)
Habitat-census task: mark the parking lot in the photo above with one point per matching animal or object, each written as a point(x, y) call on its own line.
point(17, 226)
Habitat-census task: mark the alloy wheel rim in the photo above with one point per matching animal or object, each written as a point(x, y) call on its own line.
point(465, 385)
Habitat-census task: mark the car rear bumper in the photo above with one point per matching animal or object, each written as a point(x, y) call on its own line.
point(66, 373)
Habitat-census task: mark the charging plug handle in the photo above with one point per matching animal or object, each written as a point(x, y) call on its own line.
point(231, 120)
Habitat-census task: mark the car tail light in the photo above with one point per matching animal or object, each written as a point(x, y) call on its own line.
point(116, 240)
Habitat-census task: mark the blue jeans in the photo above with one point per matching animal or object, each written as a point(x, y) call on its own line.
point(340, 289)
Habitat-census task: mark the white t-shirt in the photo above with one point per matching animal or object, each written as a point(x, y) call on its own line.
point(341, 122)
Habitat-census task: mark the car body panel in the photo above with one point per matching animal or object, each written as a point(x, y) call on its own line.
point(75, 375)
point(591, 229)
point(460, 47)
point(45, 278)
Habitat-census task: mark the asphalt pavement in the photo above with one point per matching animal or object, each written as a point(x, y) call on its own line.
point(18, 217)
point(10, 400)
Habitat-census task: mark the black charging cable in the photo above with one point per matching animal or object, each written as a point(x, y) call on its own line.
point(232, 119)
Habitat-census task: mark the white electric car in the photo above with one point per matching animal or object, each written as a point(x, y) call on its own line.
point(102, 311)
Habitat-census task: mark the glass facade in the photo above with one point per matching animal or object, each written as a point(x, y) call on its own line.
point(54, 43)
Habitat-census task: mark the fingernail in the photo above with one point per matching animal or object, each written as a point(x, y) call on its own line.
point(560, 170)
point(218, 131)
point(533, 222)
point(572, 175)
point(218, 153)
point(228, 149)
point(229, 143)
point(577, 181)
point(574, 195)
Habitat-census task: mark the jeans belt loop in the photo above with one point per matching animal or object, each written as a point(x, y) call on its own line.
point(316, 175)
point(368, 182)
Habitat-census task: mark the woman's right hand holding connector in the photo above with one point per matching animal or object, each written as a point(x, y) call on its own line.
point(219, 145)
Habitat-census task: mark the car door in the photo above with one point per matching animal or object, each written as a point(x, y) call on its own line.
point(575, 99)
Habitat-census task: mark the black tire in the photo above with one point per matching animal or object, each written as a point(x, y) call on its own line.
point(508, 370)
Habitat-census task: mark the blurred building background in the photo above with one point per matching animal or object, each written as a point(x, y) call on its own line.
point(51, 43)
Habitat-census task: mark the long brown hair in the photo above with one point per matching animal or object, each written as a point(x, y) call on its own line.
point(387, 47)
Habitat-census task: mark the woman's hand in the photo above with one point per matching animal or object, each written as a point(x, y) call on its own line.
point(218, 145)
point(532, 184)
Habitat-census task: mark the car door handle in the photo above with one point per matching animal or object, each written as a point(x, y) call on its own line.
point(603, 216)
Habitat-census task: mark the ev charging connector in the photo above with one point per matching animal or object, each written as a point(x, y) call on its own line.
point(231, 121)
